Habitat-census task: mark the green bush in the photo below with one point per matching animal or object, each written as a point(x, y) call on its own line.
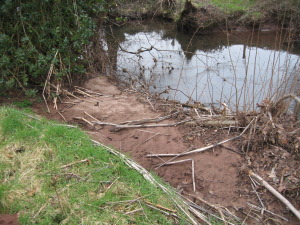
point(32, 32)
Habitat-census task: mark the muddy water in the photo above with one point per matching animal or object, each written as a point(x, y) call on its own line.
point(238, 69)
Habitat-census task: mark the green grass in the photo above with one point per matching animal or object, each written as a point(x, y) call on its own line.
point(231, 6)
point(34, 184)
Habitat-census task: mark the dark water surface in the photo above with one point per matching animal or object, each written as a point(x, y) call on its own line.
point(238, 69)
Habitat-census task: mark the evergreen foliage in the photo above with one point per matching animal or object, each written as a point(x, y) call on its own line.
point(31, 32)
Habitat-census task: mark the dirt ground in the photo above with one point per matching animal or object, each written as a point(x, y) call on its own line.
point(220, 173)
point(6, 219)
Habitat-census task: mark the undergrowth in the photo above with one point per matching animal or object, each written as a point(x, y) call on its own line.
point(39, 182)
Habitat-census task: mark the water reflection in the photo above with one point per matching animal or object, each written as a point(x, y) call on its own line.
point(239, 70)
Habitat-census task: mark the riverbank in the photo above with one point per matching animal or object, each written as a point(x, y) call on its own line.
point(217, 175)
point(206, 17)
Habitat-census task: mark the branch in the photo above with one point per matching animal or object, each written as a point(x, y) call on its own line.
point(276, 193)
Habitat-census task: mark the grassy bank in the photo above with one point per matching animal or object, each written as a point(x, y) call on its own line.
point(53, 174)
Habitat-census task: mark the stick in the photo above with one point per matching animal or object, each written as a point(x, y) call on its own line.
point(260, 209)
point(193, 176)
point(133, 211)
point(197, 113)
point(181, 161)
point(153, 132)
point(204, 148)
point(73, 163)
point(91, 116)
point(148, 120)
point(85, 120)
point(162, 211)
point(118, 126)
point(47, 80)
point(260, 201)
point(161, 207)
point(276, 193)
point(150, 103)
point(62, 116)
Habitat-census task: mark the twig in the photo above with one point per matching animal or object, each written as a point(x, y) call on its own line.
point(73, 163)
point(215, 207)
point(149, 138)
point(148, 120)
point(118, 126)
point(48, 79)
point(109, 187)
point(197, 113)
point(276, 193)
point(204, 148)
point(85, 120)
point(274, 214)
point(62, 116)
point(133, 211)
point(162, 211)
point(150, 103)
point(260, 201)
point(91, 116)
point(41, 209)
point(126, 201)
point(297, 99)
point(193, 175)
point(160, 207)
point(182, 161)
point(147, 131)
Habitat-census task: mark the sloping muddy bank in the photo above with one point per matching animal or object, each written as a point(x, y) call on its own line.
point(217, 175)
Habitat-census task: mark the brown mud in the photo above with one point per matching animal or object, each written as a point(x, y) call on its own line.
point(8, 219)
point(220, 173)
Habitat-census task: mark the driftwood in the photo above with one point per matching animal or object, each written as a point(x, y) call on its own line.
point(276, 193)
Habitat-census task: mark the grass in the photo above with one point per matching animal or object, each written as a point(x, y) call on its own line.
point(231, 6)
point(34, 184)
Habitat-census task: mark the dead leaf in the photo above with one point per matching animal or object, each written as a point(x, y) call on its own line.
point(31, 193)
point(8, 155)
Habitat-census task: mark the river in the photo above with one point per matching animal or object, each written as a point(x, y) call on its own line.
point(239, 69)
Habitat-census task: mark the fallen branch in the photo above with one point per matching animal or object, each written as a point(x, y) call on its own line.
point(148, 120)
point(202, 149)
point(119, 127)
point(276, 193)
